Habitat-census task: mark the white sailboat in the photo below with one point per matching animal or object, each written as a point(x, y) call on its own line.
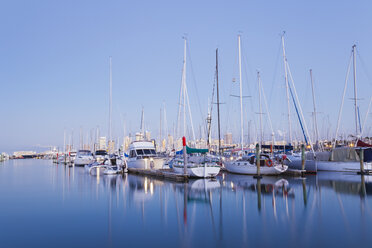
point(247, 164)
point(197, 165)
point(343, 158)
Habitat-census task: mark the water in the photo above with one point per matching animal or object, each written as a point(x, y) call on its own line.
point(45, 205)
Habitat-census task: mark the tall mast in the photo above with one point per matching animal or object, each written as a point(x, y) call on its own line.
point(209, 125)
point(110, 105)
point(314, 106)
point(241, 95)
point(184, 88)
point(355, 93)
point(259, 97)
point(218, 106)
point(287, 90)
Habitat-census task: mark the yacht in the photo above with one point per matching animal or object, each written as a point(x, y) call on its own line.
point(84, 157)
point(101, 155)
point(142, 155)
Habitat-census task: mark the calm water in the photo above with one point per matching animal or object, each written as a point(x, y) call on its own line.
point(45, 205)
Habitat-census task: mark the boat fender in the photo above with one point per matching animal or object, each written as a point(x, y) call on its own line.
point(269, 162)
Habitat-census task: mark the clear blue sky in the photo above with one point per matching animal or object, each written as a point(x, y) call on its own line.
point(54, 62)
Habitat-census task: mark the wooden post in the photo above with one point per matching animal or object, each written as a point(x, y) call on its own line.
point(361, 158)
point(303, 159)
point(258, 162)
point(184, 155)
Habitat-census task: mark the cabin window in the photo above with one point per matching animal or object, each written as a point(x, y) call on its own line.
point(147, 151)
point(140, 152)
point(132, 154)
point(153, 151)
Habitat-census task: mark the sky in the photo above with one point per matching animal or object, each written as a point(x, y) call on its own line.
point(54, 65)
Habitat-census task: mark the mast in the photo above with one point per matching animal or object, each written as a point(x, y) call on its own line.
point(314, 106)
point(209, 125)
point(184, 88)
point(110, 106)
point(355, 93)
point(259, 97)
point(287, 90)
point(241, 95)
point(218, 106)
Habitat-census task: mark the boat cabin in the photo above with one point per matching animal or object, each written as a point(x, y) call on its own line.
point(142, 149)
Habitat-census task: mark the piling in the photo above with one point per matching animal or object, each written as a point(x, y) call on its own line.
point(184, 156)
point(361, 158)
point(303, 158)
point(258, 162)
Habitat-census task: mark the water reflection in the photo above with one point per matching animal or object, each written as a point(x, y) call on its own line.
point(231, 210)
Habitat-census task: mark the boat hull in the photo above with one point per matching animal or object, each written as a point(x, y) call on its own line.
point(295, 163)
point(198, 171)
point(249, 169)
point(83, 161)
point(146, 163)
point(341, 166)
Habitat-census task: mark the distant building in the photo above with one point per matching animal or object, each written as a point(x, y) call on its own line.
point(111, 146)
point(148, 135)
point(139, 136)
point(228, 139)
point(127, 141)
point(102, 143)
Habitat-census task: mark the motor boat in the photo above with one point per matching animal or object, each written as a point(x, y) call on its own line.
point(84, 157)
point(101, 155)
point(142, 155)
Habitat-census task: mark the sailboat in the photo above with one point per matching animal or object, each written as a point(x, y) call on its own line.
point(198, 163)
point(247, 164)
point(294, 160)
point(344, 158)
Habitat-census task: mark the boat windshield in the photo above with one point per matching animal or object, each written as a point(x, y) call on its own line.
point(101, 152)
point(149, 151)
point(86, 153)
point(139, 152)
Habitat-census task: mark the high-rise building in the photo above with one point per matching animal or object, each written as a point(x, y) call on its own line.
point(228, 139)
point(102, 143)
point(111, 146)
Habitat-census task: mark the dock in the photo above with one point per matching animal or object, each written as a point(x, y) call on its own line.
point(167, 174)
point(294, 173)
